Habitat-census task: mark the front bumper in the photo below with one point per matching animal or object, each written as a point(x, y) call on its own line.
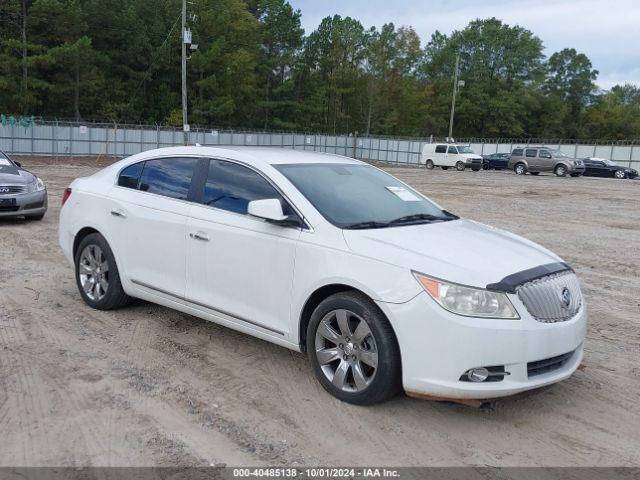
point(473, 163)
point(25, 204)
point(437, 347)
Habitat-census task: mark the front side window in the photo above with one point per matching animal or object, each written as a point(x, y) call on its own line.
point(531, 152)
point(170, 177)
point(360, 196)
point(452, 149)
point(231, 187)
point(545, 154)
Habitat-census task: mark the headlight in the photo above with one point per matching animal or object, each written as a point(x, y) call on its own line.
point(39, 185)
point(468, 301)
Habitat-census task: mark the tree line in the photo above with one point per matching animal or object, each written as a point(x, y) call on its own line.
point(119, 60)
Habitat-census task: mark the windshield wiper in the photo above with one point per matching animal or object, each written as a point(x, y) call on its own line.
point(419, 217)
point(365, 225)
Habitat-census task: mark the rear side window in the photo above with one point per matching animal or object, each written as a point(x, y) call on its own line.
point(129, 176)
point(441, 149)
point(517, 152)
point(170, 177)
point(531, 152)
point(231, 187)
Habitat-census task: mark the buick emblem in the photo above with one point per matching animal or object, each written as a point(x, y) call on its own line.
point(565, 297)
point(5, 189)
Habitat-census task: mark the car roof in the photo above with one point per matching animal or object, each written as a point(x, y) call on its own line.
point(257, 156)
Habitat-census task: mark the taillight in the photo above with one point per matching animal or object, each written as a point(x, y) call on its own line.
point(66, 195)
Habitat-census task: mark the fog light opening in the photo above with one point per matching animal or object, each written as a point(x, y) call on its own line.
point(478, 374)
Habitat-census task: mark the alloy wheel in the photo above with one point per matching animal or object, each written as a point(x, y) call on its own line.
point(620, 174)
point(93, 270)
point(346, 350)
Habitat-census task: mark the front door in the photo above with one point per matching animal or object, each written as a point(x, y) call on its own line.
point(239, 265)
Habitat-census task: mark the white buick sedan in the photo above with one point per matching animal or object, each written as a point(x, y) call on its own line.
point(382, 287)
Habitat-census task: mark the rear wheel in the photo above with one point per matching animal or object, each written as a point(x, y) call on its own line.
point(97, 274)
point(459, 166)
point(429, 164)
point(561, 171)
point(353, 350)
point(520, 169)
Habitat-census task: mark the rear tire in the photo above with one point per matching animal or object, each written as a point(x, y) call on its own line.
point(353, 349)
point(429, 164)
point(97, 275)
point(459, 166)
point(520, 169)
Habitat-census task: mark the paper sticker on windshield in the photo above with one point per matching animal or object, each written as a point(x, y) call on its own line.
point(4, 161)
point(403, 194)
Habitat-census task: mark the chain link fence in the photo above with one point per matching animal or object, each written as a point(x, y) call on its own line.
point(64, 139)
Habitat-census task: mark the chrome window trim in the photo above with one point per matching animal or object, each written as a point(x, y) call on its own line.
point(306, 225)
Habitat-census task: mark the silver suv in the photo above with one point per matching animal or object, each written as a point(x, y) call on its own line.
point(544, 159)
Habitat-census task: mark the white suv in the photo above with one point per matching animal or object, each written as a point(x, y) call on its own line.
point(331, 256)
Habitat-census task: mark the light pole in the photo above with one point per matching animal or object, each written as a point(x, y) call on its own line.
point(453, 100)
point(185, 123)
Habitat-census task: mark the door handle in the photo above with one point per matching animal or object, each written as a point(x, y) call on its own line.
point(118, 213)
point(203, 237)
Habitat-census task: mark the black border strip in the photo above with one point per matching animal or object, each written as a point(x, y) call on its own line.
point(509, 283)
point(184, 299)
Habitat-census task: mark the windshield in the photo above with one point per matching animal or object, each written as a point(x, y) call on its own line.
point(609, 162)
point(361, 196)
point(464, 149)
point(558, 154)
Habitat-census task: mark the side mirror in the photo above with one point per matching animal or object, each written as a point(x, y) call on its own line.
point(18, 164)
point(269, 209)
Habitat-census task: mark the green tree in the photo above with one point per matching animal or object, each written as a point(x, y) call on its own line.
point(570, 77)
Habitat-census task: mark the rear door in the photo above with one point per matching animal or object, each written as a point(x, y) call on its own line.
point(147, 219)
point(238, 265)
point(531, 156)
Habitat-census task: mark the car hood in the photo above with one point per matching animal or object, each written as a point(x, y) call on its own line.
point(12, 176)
point(461, 251)
point(472, 156)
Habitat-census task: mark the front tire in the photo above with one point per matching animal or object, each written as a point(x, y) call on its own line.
point(561, 171)
point(353, 349)
point(459, 166)
point(620, 174)
point(97, 274)
point(429, 164)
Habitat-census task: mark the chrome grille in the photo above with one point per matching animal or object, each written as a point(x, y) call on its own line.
point(554, 298)
point(12, 189)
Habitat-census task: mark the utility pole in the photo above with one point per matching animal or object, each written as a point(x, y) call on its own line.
point(453, 100)
point(185, 123)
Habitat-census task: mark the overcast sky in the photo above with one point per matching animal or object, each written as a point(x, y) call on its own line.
point(608, 32)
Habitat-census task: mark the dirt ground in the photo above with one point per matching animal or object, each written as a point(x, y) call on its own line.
point(150, 386)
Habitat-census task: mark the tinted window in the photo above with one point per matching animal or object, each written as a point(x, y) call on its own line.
point(441, 149)
point(129, 176)
point(231, 187)
point(517, 152)
point(531, 152)
point(452, 149)
point(545, 153)
point(170, 177)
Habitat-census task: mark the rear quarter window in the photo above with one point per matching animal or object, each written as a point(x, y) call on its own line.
point(130, 176)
